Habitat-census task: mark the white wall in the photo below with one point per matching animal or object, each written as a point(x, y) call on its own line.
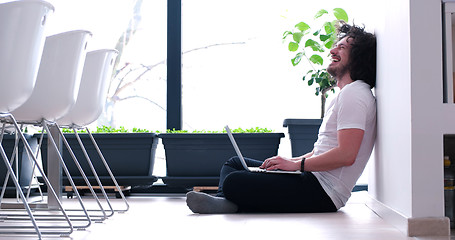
point(407, 173)
point(390, 172)
point(427, 101)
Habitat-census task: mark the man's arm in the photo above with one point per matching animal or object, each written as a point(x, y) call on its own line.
point(349, 141)
point(307, 155)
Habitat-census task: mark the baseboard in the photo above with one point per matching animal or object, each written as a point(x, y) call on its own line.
point(433, 226)
point(412, 227)
point(389, 215)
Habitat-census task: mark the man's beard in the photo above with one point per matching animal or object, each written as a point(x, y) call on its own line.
point(337, 72)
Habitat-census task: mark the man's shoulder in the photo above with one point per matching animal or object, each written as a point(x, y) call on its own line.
point(357, 94)
point(357, 88)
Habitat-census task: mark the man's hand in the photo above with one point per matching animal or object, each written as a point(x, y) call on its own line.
point(281, 163)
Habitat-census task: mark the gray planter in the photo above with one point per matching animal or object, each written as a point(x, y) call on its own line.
point(24, 164)
point(131, 158)
point(303, 133)
point(196, 159)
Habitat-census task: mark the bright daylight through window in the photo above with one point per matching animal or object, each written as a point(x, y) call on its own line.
point(236, 69)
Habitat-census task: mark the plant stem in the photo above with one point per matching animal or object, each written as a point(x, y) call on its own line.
point(324, 99)
point(314, 69)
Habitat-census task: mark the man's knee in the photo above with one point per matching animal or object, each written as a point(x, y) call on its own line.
point(233, 162)
point(233, 184)
point(233, 159)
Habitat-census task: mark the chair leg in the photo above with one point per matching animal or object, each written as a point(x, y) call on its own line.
point(51, 191)
point(106, 165)
point(19, 190)
point(95, 174)
point(84, 176)
point(15, 156)
point(12, 160)
point(65, 169)
point(34, 177)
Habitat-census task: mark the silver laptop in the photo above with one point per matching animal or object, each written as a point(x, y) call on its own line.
point(242, 160)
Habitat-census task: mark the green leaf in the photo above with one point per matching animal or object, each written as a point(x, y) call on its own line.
point(286, 34)
point(297, 36)
point(329, 44)
point(324, 37)
point(302, 26)
point(320, 13)
point(310, 43)
point(340, 14)
point(329, 28)
point(324, 74)
point(314, 45)
point(324, 83)
point(317, 32)
point(310, 82)
point(297, 59)
point(316, 59)
point(304, 77)
point(293, 46)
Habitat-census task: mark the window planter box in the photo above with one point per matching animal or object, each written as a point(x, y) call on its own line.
point(195, 159)
point(130, 156)
point(303, 133)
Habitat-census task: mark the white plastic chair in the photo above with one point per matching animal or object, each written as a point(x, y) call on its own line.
point(22, 40)
point(55, 93)
point(58, 80)
point(22, 26)
point(89, 105)
point(90, 102)
point(91, 99)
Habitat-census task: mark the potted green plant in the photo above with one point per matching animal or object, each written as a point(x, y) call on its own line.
point(195, 158)
point(130, 155)
point(312, 47)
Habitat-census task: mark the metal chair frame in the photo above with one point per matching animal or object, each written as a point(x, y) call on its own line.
point(11, 214)
point(106, 165)
point(85, 216)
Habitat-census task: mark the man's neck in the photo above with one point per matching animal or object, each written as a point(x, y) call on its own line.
point(345, 80)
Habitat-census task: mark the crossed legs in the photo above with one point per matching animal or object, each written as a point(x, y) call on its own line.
point(243, 191)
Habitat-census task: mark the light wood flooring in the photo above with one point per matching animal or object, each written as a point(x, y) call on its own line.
point(167, 217)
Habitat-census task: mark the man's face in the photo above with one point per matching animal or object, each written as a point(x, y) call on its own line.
point(340, 58)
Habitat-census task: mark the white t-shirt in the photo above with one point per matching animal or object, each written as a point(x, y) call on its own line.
point(353, 107)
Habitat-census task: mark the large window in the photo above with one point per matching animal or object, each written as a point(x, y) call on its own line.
point(236, 69)
point(137, 28)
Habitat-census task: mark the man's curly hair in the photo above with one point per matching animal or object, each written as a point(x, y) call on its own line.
point(363, 52)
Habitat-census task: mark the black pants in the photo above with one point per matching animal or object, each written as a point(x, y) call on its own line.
point(270, 192)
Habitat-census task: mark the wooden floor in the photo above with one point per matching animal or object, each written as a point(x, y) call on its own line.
point(167, 217)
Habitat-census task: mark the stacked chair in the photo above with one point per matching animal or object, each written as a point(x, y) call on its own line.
point(89, 106)
point(55, 91)
point(47, 81)
point(22, 41)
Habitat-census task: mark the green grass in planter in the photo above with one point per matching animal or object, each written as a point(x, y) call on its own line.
point(108, 129)
point(121, 129)
point(237, 130)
